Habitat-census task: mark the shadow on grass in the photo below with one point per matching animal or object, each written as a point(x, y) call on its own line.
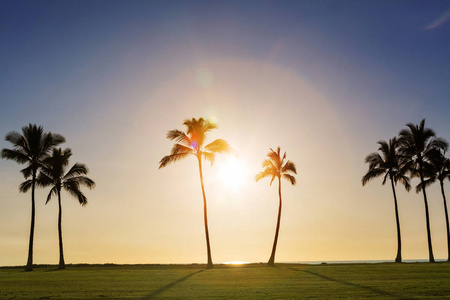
point(170, 285)
point(368, 288)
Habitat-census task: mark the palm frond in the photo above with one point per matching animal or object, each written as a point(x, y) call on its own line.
point(17, 155)
point(289, 166)
point(218, 146)
point(385, 178)
point(405, 181)
point(76, 170)
point(53, 191)
point(179, 148)
point(374, 158)
point(371, 174)
point(271, 180)
point(171, 159)
point(80, 181)
point(263, 174)
point(178, 136)
point(25, 186)
point(15, 138)
point(268, 163)
point(209, 156)
point(28, 171)
point(426, 183)
point(73, 188)
point(290, 178)
point(439, 143)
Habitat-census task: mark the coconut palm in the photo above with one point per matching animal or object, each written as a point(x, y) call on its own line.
point(392, 165)
point(277, 166)
point(191, 142)
point(420, 145)
point(441, 171)
point(53, 174)
point(30, 148)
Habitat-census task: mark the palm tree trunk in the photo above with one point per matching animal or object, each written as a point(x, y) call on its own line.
point(205, 216)
point(446, 220)
point(427, 215)
point(271, 261)
point(29, 266)
point(398, 259)
point(62, 265)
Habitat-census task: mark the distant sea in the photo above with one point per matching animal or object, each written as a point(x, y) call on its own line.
point(337, 261)
point(357, 261)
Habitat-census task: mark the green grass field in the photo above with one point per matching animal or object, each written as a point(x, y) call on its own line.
point(387, 280)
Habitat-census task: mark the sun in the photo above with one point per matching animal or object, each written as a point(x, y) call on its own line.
point(233, 173)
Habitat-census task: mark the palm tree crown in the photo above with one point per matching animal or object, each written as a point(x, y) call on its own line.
point(191, 142)
point(420, 145)
point(53, 174)
point(30, 147)
point(389, 162)
point(277, 166)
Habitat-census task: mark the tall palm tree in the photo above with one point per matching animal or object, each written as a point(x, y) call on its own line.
point(30, 148)
point(191, 142)
point(53, 174)
point(441, 171)
point(390, 164)
point(277, 166)
point(420, 144)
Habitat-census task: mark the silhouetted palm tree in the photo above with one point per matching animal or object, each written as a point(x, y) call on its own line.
point(30, 148)
point(420, 144)
point(191, 143)
point(390, 164)
point(53, 174)
point(441, 171)
point(276, 166)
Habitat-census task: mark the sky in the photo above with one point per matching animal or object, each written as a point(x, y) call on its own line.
point(324, 80)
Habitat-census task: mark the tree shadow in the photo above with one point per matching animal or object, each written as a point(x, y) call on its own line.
point(170, 285)
point(368, 288)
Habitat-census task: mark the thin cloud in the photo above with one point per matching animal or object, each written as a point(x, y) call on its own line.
point(444, 18)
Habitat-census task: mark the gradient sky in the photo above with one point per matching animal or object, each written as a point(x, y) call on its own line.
point(324, 80)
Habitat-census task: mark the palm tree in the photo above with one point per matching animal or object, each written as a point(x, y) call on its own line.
point(191, 143)
point(420, 144)
point(30, 148)
point(53, 174)
point(441, 171)
point(390, 164)
point(275, 166)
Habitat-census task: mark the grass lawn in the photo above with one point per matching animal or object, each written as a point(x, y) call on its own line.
point(384, 280)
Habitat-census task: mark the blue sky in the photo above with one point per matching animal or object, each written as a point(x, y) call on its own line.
point(115, 76)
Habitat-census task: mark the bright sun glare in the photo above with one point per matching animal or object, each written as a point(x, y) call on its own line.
point(233, 173)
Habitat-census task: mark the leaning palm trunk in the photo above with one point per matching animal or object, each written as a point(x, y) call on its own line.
point(398, 259)
point(62, 265)
point(427, 215)
point(205, 216)
point(446, 220)
point(271, 261)
point(29, 266)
